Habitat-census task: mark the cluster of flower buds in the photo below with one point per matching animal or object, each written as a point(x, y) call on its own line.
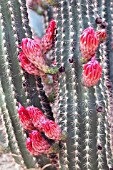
point(32, 57)
point(35, 122)
point(89, 42)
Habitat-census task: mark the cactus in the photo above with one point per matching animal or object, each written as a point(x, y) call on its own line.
point(83, 113)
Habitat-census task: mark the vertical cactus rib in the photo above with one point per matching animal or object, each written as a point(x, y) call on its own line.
point(102, 87)
point(107, 130)
point(73, 55)
point(62, 108)
point(11, 102)
point(100, 130)
point(107, 54)
point(4, 142)
point(110, 59)
point(87, 112)
point(110, 91)
point(10, 131)
point(84, 14)
point(25, 20)
point(11, 37)
point(91, 12)
point(99, 104)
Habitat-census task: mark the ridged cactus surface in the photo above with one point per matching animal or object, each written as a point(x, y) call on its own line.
point(74, 130)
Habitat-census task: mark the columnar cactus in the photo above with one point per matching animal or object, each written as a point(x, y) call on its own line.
point(74, 131)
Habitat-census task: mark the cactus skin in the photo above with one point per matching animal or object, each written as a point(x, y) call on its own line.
point(84, 114)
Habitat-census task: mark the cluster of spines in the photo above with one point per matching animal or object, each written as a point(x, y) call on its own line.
point(107, 105)
point(110, 91)
point(62, 110)
point(16, 39)
point(25, 20)
point(100, 157)
point(10, 130)
point(9, 76)
point(3, 131)
point(87, 120)
point(106, 56)
point(9, 79)
point(73, 83)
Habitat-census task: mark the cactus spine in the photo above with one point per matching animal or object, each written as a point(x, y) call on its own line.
point(84, 114)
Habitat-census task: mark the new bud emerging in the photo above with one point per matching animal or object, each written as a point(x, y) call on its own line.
point(102, 35)
point(49, 38)
point(92, 71)
point(33, 52)
point(89, 42)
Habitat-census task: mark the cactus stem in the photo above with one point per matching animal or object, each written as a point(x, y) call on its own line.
point(24, 16)
point(12, 141)
point(8, 89)
point(62, 96)
point(73, 80)
point(17, 39)
point(106, 78)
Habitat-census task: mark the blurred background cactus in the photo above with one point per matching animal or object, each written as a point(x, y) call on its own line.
point(83, 113)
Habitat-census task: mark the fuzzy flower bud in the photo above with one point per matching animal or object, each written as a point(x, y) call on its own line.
point(36, 116)
point(49, 37)
point(51, 130)
point(89, 42)
point(33, 52)
point(27, 65)
point(102, 35)
point(92, 71)
point(30, 148)
point(39, 144)
point(24, 118)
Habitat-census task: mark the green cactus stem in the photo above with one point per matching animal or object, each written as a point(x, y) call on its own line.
point(84, 114)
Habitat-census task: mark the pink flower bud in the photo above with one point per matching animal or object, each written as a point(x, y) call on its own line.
point(49, 37)
point(36, 116)
point(51, 130)
point(92, 71)
point(30, 48)
point(102, 35)
point(33, 52)
point(27, 65)
point(24, 118)
point(89, 42)
point(39, 144)
point(30, 148)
